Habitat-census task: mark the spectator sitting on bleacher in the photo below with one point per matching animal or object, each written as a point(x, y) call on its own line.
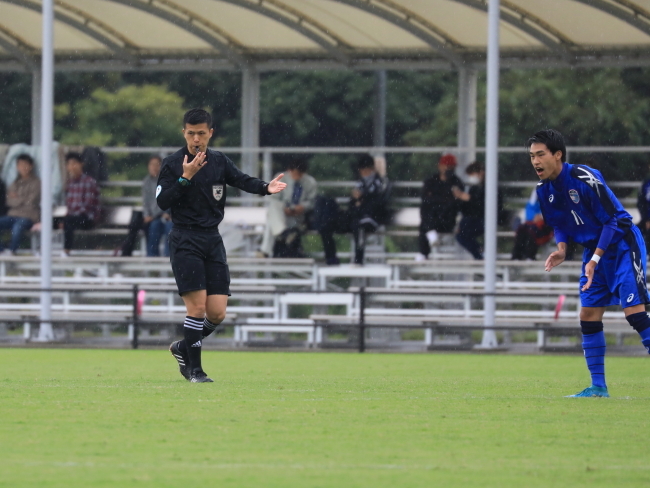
point(23, 200)
point(439, 206)
point(81, 199)
point(472, 225)
point(287, 211)
point(532, 233)
point(367, 210)
point(156, 223)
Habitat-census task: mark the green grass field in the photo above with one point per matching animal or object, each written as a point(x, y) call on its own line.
point(95, 418)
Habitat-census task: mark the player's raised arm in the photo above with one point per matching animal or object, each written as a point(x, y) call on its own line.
point(169, 189)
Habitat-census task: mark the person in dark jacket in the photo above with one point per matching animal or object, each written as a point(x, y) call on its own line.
point(192, 184)
point(367, 210)
point(439, 206)
point(156, 223)
point(472, 225)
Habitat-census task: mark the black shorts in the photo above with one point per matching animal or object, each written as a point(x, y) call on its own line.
point(199, 261)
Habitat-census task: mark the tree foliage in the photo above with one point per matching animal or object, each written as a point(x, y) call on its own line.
point(147, 115)
point(335, 108)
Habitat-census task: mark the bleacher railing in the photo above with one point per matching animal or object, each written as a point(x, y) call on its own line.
point(356, 323)
point(266, 154)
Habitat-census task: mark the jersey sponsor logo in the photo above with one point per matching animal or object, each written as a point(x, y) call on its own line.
point(158, 190)
point(630, 298)
point(577, 218)
point(551, 198)
point(217, 192)
point(573, 194)
point(591, 180)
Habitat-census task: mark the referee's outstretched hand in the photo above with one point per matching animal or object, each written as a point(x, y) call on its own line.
point(193, 167)
point(276, 186)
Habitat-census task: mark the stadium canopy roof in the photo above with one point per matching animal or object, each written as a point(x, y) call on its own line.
point(306, 34)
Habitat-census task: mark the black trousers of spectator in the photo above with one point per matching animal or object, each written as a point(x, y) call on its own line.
point(423, 242)
point(470, 229)
point(72, 223)
point(329, 245)
point(359, 232)
point(434, 222)
point(137, 223)
point(526, 238)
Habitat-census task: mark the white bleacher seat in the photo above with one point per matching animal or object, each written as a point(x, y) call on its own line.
point(301, 326)
point(353, 271)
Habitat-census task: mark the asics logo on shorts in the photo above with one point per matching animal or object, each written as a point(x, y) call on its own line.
point(630, 298)
point(550, 199)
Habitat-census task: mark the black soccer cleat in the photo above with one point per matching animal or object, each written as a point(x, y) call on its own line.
point(199, 376)
point(182, 359)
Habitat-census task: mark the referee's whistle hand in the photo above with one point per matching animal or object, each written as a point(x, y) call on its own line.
point(193, 167)
point(276, 186)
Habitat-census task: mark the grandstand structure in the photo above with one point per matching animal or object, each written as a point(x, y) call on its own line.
point(396, 305)
point(254, 36)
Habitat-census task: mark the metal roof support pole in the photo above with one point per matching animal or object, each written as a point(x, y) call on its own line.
point(467, 78)
point(379, 121)
point(36, 107)
point(45, 332)
point(491, 175)
point(250, 123)
point(379, 128)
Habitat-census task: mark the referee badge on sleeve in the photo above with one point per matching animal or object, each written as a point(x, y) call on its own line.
point(217, 192)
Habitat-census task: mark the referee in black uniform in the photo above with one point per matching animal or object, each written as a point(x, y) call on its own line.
point(192, 183)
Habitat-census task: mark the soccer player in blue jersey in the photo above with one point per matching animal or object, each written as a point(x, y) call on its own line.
point(577, 203)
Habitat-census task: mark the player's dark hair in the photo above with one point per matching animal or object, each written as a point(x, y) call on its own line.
point(553, 140)
point(74, 155)
point(25, 157)
point(475, 167)
point(301, 165)
point(365, 161)
point(197, 116)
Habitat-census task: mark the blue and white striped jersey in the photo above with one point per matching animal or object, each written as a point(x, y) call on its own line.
point(578, 205)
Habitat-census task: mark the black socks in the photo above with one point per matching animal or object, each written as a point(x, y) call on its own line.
point(208, 327)
point(193, 332)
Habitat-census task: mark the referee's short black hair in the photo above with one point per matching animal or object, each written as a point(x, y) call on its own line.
point(365, 161)
point(553, 140)
point(197, 116)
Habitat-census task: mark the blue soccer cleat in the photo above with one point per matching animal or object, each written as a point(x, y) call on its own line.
point(592, 391)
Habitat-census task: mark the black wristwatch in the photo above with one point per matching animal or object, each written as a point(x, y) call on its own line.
point(184, 181)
